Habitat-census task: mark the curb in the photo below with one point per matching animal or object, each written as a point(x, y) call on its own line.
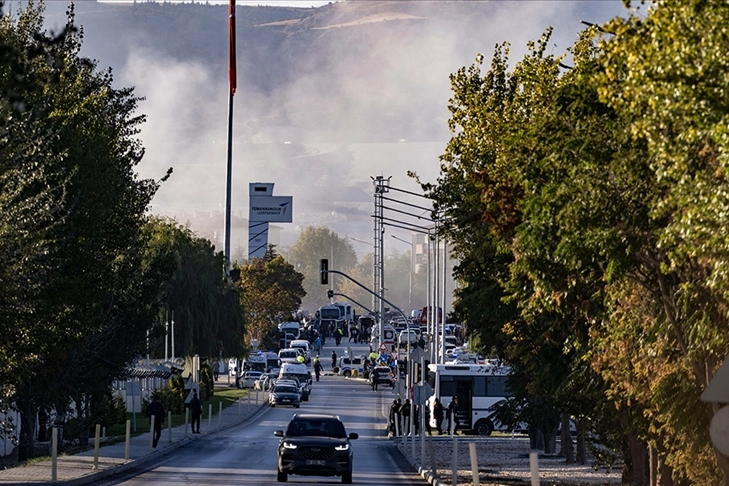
point(426, 474)
point(152, 456)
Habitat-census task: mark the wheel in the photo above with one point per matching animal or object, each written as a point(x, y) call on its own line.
point(347, 477)
point(281, 477)
point(347, 373)
point(297, 406)
point(484, 427)
point(273, 405)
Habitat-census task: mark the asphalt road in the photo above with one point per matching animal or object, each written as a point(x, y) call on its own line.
point(246, 454)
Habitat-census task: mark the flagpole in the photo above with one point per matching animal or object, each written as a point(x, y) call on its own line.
point(233, 84)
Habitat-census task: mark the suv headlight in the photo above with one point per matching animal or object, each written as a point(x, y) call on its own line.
point(289, 445)
point(342, 447)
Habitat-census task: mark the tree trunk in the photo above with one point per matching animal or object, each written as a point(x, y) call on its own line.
point(639, 461)
point(550, 441)
point(566, 448)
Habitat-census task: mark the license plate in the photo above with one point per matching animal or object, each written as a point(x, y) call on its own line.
point(314, 462)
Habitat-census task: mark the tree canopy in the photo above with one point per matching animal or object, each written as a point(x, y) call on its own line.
point(587, 209)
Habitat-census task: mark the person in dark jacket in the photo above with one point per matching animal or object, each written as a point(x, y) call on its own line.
point(405, 412)
point(156, 410)
point(438, 415)
point(195, 412)
point(452, 416)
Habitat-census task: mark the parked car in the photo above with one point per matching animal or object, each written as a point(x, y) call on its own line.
point(384, 375)
point(315, 445)
point(248, 379)
point(301, 373)
point(265, 382)
point(290, 355)
point(285, 394)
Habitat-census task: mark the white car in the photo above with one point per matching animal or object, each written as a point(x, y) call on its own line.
point(249, 379)
point(290, 355)
point(303, 345)
point(411, 337)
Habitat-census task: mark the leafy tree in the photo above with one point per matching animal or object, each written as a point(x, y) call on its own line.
point(271, 293)
point(80, 301)
point(313, 245)
point(208, 317)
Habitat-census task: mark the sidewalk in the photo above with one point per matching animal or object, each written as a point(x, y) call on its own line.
point(79, 468)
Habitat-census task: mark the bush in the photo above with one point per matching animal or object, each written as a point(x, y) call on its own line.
point(173, 395)
point(365, 374)
point(335, 369)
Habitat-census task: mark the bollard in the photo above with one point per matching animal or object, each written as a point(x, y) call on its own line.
point(210, 416)
point(169, 426)
point(248, 410)
point(220, 414)
point(474, 463)
point(127, 440)
point(151, 431)
point(433, 465)
point(534, 467)
point(239, 405)
point(454, 468)
point(187, 419)
point(103, 432)
point(54, 455)
point(97, 434)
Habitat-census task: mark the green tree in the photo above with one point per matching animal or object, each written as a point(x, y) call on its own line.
point(271, 293)
point(313, 245)
point(206, 307)
point(89, 301)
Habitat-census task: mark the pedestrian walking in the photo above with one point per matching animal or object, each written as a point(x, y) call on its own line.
point(416, 419)
point(452, 414)
point(374, 380)
point(405, 412)
point(428, 429)
point(157, 410)
point(392, 416)
point(195, 412)
point(216, 370)
point(317, 367)
point(334, 359)
point(438, 415)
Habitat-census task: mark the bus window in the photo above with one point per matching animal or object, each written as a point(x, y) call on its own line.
point(447, 386)
point(497, 386)
point(479, 386)
point(431, 379)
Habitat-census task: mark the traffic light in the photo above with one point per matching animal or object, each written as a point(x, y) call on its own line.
point(324, 271)
point(330, 294)
point(416, 372)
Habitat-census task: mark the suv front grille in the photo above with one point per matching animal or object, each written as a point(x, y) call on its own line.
point(315, 452)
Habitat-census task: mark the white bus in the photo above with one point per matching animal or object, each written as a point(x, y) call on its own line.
point(477, 386)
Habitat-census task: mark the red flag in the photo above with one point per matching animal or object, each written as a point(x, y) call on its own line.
point(231, 48)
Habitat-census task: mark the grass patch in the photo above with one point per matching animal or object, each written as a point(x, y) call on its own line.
point(226, 396)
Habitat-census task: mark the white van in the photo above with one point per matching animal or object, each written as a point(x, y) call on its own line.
point(290, 327)
point(289, 355)
point(303, 345)
point(301, 373)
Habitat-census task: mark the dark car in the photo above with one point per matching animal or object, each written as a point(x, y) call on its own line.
point(285, 394)
point(315, 445)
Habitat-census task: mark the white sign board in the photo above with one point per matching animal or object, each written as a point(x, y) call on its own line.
point(271, 209)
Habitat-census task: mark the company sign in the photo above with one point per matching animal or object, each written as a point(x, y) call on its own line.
point(271, 209)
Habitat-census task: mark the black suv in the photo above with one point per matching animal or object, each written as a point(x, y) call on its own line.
point(315, 445)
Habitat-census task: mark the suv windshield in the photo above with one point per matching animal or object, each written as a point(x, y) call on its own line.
point(318, 428)
point(285, 389)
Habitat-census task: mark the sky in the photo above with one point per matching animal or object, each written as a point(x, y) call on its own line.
point(323, 130)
